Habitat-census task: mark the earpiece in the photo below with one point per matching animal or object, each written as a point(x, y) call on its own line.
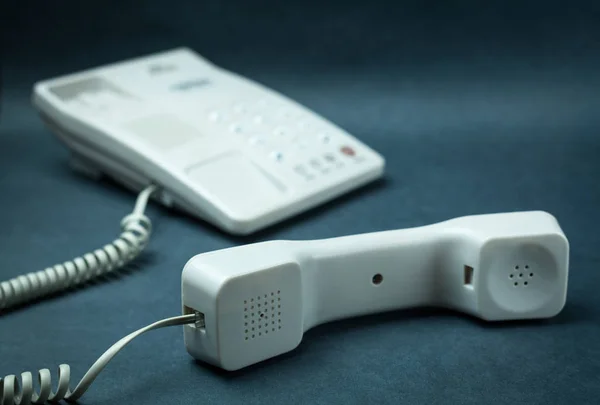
point(255, 302)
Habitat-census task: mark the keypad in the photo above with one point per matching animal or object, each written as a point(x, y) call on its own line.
point(285, 135)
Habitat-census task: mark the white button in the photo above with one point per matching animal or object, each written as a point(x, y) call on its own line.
point(255, 140)
point(303, 125)
point(301, 170)
point(279, 131)
point(239, 108)
point(324, 136)
point(215, 116)
point(237, 128)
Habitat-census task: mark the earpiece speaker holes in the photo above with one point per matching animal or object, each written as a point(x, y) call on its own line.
point(377, 279)
point(516, 274)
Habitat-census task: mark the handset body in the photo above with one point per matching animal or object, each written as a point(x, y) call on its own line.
point(257, 300)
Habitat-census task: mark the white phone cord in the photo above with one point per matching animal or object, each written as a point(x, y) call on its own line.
point(135, 232)
point(11, 393)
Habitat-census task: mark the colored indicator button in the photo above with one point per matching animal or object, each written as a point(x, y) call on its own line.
point(348, 151)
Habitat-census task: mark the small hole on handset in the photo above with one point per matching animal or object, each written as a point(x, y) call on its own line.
point(520, 274)
point(511, 276)
point(377, 279)
point(530, 274)
point(516, 267)
point(468, 275)
point(516, 284)
point(246, 338)
point(525, 283)
point(526, 266)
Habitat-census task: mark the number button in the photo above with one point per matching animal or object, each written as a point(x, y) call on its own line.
point(324, 137)
point(256, 141)
point(240, 108)
point(280, 131)
point(277, 156)
point(236, 128)
point(301, 170)
point(215, 116)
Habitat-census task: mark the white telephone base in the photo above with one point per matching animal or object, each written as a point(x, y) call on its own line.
point(218, 146)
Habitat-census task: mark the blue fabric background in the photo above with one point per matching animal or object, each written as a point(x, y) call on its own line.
point(477, 106)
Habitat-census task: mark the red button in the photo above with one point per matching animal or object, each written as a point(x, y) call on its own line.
point(346, 150)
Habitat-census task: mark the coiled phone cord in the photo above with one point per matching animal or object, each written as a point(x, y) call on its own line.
point(135, 232)
point(11, 393)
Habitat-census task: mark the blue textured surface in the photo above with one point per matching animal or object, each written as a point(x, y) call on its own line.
point(477, 108)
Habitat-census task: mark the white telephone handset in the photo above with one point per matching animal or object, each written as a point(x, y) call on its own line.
point(256, 301)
